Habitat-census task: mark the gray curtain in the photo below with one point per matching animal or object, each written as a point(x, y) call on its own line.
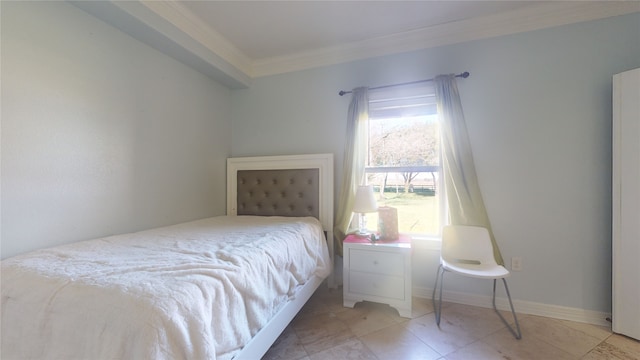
point(466, 206)
point(355, 157)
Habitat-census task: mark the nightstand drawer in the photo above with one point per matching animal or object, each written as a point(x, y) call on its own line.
point(377, 285)
point(377, 262)
point(379, 272)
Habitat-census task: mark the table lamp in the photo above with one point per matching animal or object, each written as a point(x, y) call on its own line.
point(365, 202)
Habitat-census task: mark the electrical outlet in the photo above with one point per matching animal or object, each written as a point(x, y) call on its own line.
point(516, 263)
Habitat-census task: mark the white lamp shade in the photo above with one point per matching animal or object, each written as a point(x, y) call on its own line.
point(365, 200)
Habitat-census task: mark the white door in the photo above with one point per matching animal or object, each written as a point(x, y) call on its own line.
point(626, 204)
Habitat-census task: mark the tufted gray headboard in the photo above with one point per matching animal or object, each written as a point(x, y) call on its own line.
point(278, 192)
point(290, 185)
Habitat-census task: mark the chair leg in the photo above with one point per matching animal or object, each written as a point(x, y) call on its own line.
point(437, 307)
point(517, 334)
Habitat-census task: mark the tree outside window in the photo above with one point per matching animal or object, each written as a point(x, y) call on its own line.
point(404, 167)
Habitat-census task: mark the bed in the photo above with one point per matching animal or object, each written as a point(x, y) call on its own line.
point(216, 288)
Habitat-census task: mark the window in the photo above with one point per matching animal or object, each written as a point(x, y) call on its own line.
point(404, 163)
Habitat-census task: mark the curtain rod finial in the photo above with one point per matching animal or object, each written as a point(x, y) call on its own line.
point(465, 74)
point(342, 92)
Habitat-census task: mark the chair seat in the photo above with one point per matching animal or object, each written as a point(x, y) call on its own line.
point(467, 251)
point(477, 271)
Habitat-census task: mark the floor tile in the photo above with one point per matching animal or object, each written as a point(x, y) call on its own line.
point(321, 332)
point(351, 350)
point(597, 331)
point(445, 339)
point(420, 307)
point(527, 348)
point(324, 329)
point(478, 350)
point(460, 325)
point(368, 317)
point(559, 334)
point(287, 347)
point(616, 347)
point(476, 321)
point(626, 344)
point(324, 300)
point(397, 342)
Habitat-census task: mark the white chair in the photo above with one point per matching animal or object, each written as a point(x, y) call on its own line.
point(467, 250)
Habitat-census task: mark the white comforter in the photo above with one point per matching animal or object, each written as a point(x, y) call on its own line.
point(198, 290)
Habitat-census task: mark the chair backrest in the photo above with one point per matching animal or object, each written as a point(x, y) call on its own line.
point(467, 244)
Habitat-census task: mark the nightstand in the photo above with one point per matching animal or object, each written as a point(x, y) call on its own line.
point(378, 271)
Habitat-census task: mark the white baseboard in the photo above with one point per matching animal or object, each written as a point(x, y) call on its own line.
point(522, 307)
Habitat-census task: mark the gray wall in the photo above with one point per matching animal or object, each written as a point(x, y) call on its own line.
point(538, 109)
point(100, 133)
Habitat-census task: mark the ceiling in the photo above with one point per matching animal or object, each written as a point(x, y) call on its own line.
point(235, 41)
point(267, 29)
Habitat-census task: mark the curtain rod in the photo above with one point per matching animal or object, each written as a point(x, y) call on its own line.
point(464, 75)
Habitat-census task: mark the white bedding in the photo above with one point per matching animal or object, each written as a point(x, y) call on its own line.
point(198, 290)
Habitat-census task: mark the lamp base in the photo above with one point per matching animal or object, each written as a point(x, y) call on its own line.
point(363, 233)
point(362, 226)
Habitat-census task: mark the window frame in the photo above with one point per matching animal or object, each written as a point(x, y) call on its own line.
point(402, 105)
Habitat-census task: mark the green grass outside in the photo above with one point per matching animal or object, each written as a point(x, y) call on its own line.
point(416, 213)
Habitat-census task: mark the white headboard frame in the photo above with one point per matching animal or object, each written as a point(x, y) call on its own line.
point(322, 162)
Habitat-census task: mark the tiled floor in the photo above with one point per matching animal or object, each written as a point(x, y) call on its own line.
point(324, 329)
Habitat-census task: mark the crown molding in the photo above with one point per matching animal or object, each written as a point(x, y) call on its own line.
point(544, 15)
point(174, 30)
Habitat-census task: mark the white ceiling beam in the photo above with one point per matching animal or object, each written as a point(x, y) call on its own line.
point(171, 33)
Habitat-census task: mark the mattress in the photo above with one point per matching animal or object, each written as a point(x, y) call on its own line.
point(198, 290)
